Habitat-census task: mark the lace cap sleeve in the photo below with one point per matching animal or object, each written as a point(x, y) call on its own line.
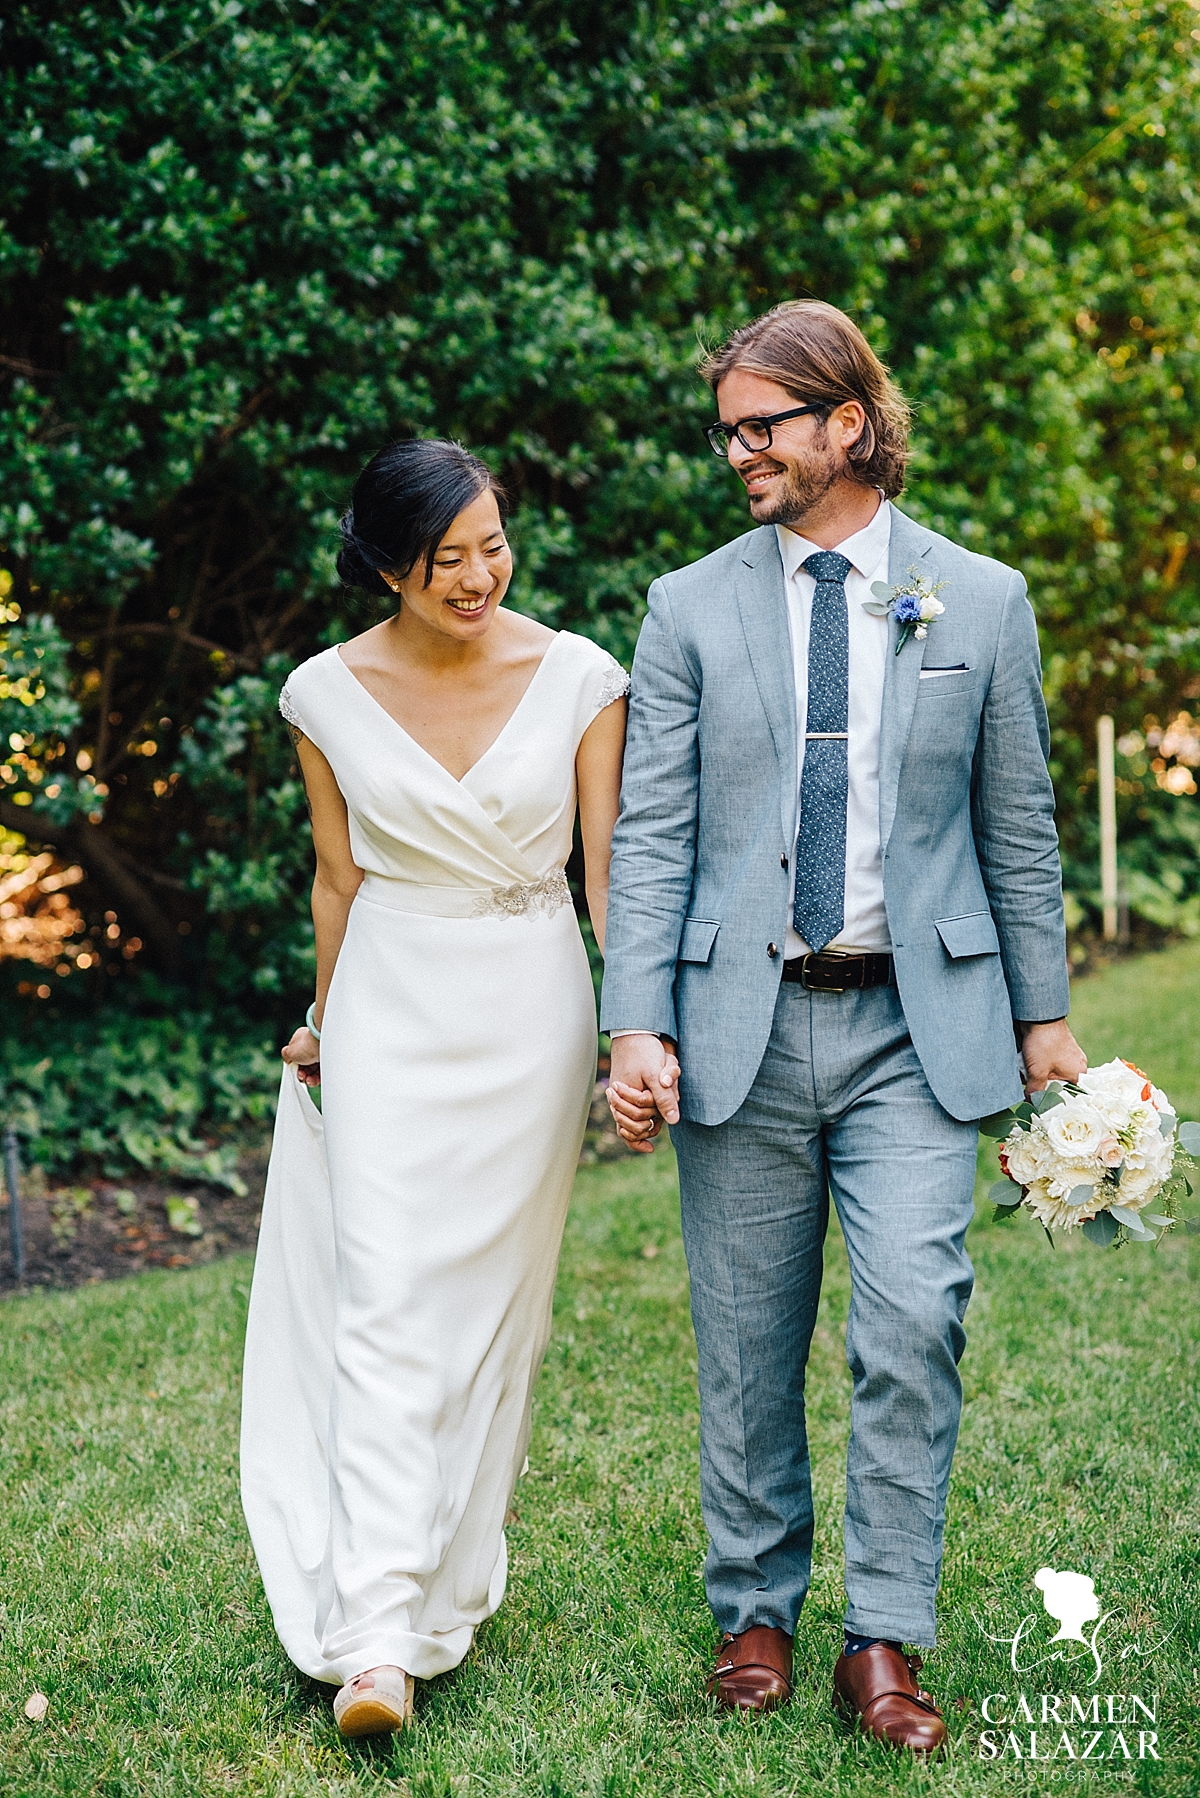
point(614, 684)
point(287, 706)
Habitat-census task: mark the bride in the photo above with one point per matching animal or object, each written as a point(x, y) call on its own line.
point(411, 1228)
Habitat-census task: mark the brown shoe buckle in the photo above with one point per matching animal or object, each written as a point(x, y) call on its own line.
point(724, 1668)
point(921, 1699)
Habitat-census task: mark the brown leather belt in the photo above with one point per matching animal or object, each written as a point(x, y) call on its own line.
point(833, 973)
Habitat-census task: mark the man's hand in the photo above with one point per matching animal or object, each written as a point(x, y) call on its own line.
point(1051, 1053)
point(643, 1089)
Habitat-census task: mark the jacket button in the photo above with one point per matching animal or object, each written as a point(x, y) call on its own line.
point(783, 861)
point(772, 951)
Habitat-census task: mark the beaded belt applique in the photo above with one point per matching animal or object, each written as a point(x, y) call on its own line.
point(549, 894)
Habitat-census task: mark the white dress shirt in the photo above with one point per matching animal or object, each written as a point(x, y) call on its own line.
point(865, 924)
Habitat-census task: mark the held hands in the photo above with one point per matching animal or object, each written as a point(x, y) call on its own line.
point(643, 1089)
point(1051, 1053)
point(304, 1054)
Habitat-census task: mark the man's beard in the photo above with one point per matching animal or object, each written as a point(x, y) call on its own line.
point(802, 489)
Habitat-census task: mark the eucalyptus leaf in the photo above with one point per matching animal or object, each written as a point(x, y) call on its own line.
point(1005, 1195)
point(1166, 1122)
point(1047, 1099)
point(1152, 1217)
point(881, 590)
point(998, 1125)
point(1079, 1195)
point(1137, 1234)
point(1189, 1138)
point(1102, 1229)
point(1124, 1215)
point(1023, 1112)
point(1192, 1225)
point(876, 608)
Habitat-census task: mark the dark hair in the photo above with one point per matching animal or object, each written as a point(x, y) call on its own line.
point(816, 353)
point(403, 503)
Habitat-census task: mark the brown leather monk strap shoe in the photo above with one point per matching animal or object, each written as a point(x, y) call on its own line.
point(877, 1685)
point(753, 1670)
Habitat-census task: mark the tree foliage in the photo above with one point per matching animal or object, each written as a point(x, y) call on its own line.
point(246, 241)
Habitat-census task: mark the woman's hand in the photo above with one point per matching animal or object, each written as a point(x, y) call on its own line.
point(304, 1054)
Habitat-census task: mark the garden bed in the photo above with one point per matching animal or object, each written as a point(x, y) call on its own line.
point(78, 1233)
point(105, 1229)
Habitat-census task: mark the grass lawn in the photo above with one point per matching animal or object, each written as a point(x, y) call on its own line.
point(130, 1598)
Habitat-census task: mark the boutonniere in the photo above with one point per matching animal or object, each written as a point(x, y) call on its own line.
point(912, 602)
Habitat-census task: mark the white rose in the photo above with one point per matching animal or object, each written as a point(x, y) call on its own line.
point(930, 609)
point(1022, 1153)
point(1153, 1153)
point(1113, 1084)
point(1137, 1188)
point(1074, 1130)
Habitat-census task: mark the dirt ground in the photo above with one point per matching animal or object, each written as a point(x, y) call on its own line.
point(78, 1233)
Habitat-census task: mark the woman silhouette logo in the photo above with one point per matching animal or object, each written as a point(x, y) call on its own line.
point(1070, 1598)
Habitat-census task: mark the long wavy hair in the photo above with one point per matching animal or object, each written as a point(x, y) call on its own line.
point(818, 354)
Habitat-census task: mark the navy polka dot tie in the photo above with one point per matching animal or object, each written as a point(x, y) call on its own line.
point(821, 844)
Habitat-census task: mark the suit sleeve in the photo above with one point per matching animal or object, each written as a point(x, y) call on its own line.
point(654, 843)
point(1012, 806)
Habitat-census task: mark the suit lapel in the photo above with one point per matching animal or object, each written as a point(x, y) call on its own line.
point(909, 548)
point(763, 609)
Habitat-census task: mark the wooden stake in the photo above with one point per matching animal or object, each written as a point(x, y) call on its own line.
point(1108, 826)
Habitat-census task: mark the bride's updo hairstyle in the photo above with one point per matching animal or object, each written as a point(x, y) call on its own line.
point(403, 503)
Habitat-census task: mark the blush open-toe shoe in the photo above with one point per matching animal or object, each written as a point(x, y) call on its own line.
point(375, 1702)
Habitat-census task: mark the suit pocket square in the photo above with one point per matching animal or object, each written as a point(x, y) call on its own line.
point(934, 673)
point(699, 935)
point(972, 934)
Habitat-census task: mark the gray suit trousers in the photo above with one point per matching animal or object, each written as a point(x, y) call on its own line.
point(840, 1103)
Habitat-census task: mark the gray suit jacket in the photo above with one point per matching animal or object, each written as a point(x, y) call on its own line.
point(966, 820)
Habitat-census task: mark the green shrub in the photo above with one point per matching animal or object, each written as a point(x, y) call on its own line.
point(243, 243)
point(171, 1098)
point(253, 867)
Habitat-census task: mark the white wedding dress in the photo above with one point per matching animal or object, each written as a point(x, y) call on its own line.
point(410, 1231)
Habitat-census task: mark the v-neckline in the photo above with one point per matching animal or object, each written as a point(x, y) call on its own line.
point(420, 747)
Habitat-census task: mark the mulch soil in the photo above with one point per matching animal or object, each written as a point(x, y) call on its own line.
point(79, 1233)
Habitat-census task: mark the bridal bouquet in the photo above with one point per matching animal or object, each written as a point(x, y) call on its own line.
point(1095, 1154)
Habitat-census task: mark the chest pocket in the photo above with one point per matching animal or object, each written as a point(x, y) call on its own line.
point(943, 686)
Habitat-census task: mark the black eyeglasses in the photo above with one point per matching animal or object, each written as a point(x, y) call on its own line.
point(754, 433)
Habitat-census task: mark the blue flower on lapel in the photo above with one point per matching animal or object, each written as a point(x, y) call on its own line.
point(912, 602)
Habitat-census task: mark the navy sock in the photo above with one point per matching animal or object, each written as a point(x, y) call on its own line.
point(855, 1643)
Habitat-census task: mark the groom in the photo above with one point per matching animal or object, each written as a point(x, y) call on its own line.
point(836, 889)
